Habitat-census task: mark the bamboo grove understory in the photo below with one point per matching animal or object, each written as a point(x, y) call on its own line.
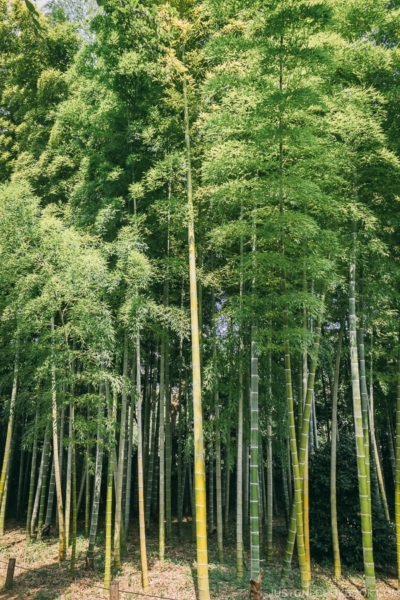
point(199, 278)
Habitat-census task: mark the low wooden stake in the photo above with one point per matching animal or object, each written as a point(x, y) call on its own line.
point(10, 573)
point(114, 590)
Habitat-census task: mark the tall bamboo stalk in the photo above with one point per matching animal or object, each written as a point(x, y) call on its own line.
point(97, 482)
point(334, 524)
point(74, 486)
point(200, 484)
point(168, 446)
point(56, 456)
point(364, 490)
point(397, 480)
point(32, 480)
point(142, 526)
point(255, 572)
point(161, 503)
point(10, 428)
point(112, 411)
point(121, 456)
point(269, 464)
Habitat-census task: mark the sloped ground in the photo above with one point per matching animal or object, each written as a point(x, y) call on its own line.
point(38, 575)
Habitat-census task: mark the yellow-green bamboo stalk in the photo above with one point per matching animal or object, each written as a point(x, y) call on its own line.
point(43, 481)
point(218, 481)
point(161, 502)
point(375, 451)
point(56, 459)
point(239, 475)
point(364, 490)
point(3, 505)
point(199, 470)
point(269, 464)
point(364, 405)
point(121, 457)
point(397, 481)
point(255, 573)
point(334, 525)
point(109, 500)
point(142, 525)
point(73, 482)
point(32, 481)
point(97, 482)
point(168, 448)
point(298, 527)
point(68, 487)
point(10, 429)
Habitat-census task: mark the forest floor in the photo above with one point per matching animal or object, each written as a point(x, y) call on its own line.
point(38, 575)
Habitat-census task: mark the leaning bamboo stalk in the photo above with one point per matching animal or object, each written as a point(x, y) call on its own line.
point(10, 429)
point(5, 494)
point(61, 530)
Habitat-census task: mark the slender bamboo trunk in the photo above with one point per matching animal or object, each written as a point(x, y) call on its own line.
point(87, 483)
point(239, 475)
point(109, 498)
point(20, 477)
point(32, 481)
point(374, 447)
point(366, 521)
point(364, 405)
point(168, 446)
point(10, 428)
point(227, 478)
point(74, 486)
point(239, 467)
point(97, 482)
point(68, 491)
point(211, 487)
point(142, 527)
point(392, 453)
point(161, 503)
point(120, 472)
point(246, 487)
point(43, 482)
point(6, 485)
point(56, 456)
point(397, 480)
point(82, 487)
point(153, 442)
point(296, 526)
point(269, 464)
point(334, 524)
point(50, 498)
point(180, 450)
point(129, 464)
point(255, 572)
point(200, 486)
point(287, 500)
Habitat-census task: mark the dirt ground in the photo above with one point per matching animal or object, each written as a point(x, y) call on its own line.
point(38, 575)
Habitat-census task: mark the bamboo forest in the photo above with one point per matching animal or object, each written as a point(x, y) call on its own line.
point(199, 299)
